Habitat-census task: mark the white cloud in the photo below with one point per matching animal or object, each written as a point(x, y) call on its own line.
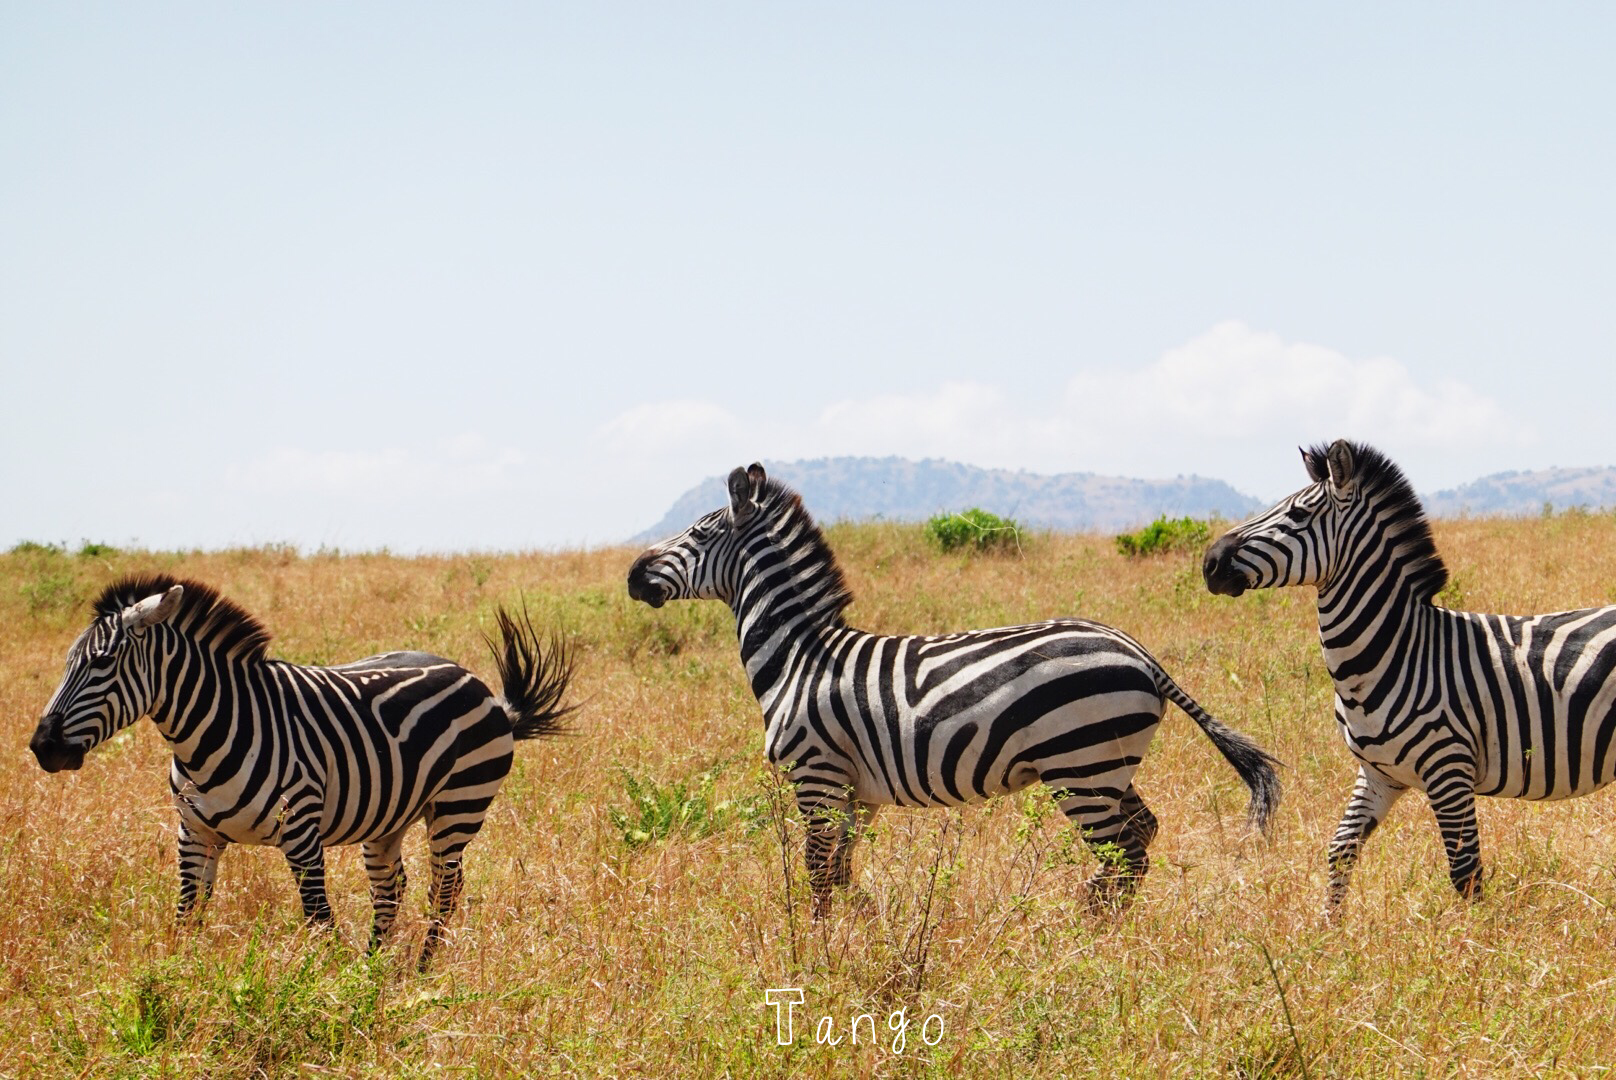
point(656, 425)
point(1234, 382)
point(924, 425)
point(1229, 403)
point(467, 462)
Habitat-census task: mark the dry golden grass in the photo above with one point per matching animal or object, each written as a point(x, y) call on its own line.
point(578, 953)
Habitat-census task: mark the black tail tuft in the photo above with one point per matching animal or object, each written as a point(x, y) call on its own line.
point(1254, 764)
point(1256, 767)
point(533, 680)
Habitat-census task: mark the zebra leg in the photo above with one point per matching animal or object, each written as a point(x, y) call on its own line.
point(451, 823)
point(447, 880)
point(1115, 830)
point(384, 863)
point(1372, 797)
point(841, 866)
point(199, 862)
point(305, 854)
point(832, 826)
point(1453, 800)
point(1139, 818)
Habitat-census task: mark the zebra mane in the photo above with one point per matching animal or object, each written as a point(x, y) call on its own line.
point(783, 508)
point(1400, 514)
point(205, 615)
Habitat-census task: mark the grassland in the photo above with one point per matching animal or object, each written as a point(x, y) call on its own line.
point(629, 903)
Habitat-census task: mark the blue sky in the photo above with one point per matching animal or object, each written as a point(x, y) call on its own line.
point(438, 277)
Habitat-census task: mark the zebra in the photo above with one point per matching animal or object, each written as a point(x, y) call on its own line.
point(1453, 703)
point(302, 758)
point(859, 720)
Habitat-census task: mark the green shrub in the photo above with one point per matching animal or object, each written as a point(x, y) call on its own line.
point(34, 547)
point(93, 550)
point(657, 811)
point(974, 529)
point(1164, 535)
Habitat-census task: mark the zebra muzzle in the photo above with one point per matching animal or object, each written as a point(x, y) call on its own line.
point(1223, 577)
point(642, 587)
point(52, 751)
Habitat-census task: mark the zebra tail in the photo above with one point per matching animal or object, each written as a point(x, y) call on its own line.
point(533, 679)
point(1254, 764)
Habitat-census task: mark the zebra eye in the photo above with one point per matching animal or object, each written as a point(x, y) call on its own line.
point(1297, 514)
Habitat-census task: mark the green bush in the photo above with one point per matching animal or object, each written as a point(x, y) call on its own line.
point(975, 529)
point(1164, 535)
point(34, 547)
point(658, 811)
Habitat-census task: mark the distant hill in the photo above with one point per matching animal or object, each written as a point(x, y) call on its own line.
point(896, 489)
point(1518, 493)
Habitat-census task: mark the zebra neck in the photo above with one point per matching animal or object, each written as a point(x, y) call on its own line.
point(791, 594)
point(778, 635)
point(1372, 628)
point(199, 695)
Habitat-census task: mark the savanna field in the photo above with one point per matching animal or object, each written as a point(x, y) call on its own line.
point(630, 901)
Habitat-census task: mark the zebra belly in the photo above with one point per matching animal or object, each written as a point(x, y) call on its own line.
point(373, 796)
point(228, 814)
point(1544, 744)
point(1538, 773)
point(1091, 743)
point(243, 806)
point(263, 818)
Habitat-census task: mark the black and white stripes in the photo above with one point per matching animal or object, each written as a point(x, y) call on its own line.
point(866, 721)
point(1455, 704)
point(301, 758)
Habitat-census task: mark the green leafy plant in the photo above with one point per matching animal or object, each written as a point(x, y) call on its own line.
point(657, 811)
point(34, 547)
point(144, 1017)
point(974, 529)
point(1165, 535)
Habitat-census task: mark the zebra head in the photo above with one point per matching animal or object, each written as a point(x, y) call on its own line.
point(106, 686)
point(1293, 541)
point(1358, 513)
point(704, 561)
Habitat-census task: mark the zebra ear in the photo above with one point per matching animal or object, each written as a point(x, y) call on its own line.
point(755, 473)
point(742, 503)
point(1343, 467)
point(153, 609)
point(1315, 468)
